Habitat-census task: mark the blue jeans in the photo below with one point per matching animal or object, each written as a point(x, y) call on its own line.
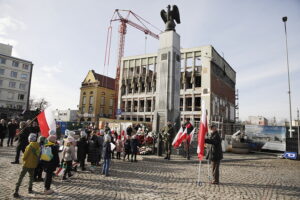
point(106, 166)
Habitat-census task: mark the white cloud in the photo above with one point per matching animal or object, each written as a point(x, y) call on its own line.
point(9, 24)
point(49, 71)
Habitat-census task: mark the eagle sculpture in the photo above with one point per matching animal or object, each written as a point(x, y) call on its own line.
point(169, 17)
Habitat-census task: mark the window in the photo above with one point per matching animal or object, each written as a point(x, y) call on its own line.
point(90, 109)
point(197, 103)
point(83, 100)
point(101, 111)
point(22, 86)
point(198, 81)
point(12, 84)
point(24, 76)
point(21, 97)
point(102, 101)
point(13, 74)
point(15, 64)
point(1, 82)
point(188, 104)
point(111, 102)
point(91, 92)
point(91, 99)
point(10, 95)
point(189, 62)
point(198, 61)
point(2, 60)
point(25, 66)
point(2, 71)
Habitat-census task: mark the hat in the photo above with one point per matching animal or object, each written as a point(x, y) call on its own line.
point(52, 132)
point(83, 134)
point(52, 138)
point(32, 137)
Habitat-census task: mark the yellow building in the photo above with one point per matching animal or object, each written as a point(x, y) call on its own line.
point(97, 95)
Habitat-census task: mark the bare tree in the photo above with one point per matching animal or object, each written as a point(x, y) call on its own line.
point(40, 104)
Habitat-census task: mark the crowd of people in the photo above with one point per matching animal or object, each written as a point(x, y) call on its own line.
point(98, 147)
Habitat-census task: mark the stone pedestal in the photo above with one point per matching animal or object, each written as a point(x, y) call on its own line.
point(168, 81)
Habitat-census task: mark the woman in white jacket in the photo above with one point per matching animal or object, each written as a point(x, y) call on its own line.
point(68, 155)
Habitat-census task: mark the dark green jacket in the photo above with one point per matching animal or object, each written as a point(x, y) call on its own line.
point(215, 147)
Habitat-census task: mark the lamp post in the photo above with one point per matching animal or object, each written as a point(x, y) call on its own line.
point(284, 19)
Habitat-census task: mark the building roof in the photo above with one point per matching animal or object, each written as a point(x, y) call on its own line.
point(104, 81)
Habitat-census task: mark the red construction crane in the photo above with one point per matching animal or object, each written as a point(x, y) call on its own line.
point(117, 16)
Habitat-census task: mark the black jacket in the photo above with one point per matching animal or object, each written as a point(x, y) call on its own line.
point(129, 131)
point(215, 147)
point(23, 137)
point(94, 149)
point(127, 147)
point(54, 162)
point(3, 130)
point(12, 128)
point(82, 150)
point(134, 143)
point(107, 150)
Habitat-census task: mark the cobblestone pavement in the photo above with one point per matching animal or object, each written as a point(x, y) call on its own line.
point(253, 176)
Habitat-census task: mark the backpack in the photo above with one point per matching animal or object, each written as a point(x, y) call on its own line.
point(46, 153)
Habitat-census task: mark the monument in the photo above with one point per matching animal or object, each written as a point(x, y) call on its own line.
point(168, 73)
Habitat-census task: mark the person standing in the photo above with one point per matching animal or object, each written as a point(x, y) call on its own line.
point(189, 128)
point(12, 129)
point(106, 154)
point(68, 155)
point(30, 162)
point(101, 141)
point(214, 154)
point(134, 143)
point(93, 152)
point(129, 130)
point(3, 131)
point(51, 165)
point(82, 149)
point(167, 136)
point(127, 148)
point(119, 146)
point(22, 141)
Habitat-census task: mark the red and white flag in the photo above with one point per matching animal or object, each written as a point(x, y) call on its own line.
point(203, 129)
point(181, 135)
point(190, 137)
point(46, 122)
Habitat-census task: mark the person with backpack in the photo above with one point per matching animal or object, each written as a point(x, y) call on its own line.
point(50, 161)
point(39, 169)
point(68, 155)
point(82, 149)
point(106, 154)
point(30, 162)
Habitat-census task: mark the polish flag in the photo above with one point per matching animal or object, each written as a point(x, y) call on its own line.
point(181, 135)
point(46, 122)
point(203, 129)
point(190, 137)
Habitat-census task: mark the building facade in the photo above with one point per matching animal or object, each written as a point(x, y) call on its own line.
point(97, 95)
point(205, 75)
point(257, 120)
point(65, 115)
point(15, 82)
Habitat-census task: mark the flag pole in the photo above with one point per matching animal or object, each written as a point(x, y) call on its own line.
point(27, 124)
point(199, 183)
point(208, 170)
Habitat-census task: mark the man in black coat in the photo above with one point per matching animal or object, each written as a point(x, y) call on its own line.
point(22, 141)
point(129, 130)
point(214, 154)
point(12, 128)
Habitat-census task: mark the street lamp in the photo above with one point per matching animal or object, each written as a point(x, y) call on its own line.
point(284, 19)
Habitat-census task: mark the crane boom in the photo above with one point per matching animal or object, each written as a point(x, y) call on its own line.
point(117, 16)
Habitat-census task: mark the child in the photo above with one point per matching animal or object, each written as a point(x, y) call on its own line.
point(127, 148)
point(68, 155)
point(106, 154)
point(50, 166)
point(119, 147)
point(39, 170)
point(82, 149)
point(30, 162)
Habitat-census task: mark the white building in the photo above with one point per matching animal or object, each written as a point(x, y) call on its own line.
point(204, 75)
point(65, 115)
point(257, 120)
point(15, 80)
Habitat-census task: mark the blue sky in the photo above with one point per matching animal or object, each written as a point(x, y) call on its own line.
point(66, 38)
